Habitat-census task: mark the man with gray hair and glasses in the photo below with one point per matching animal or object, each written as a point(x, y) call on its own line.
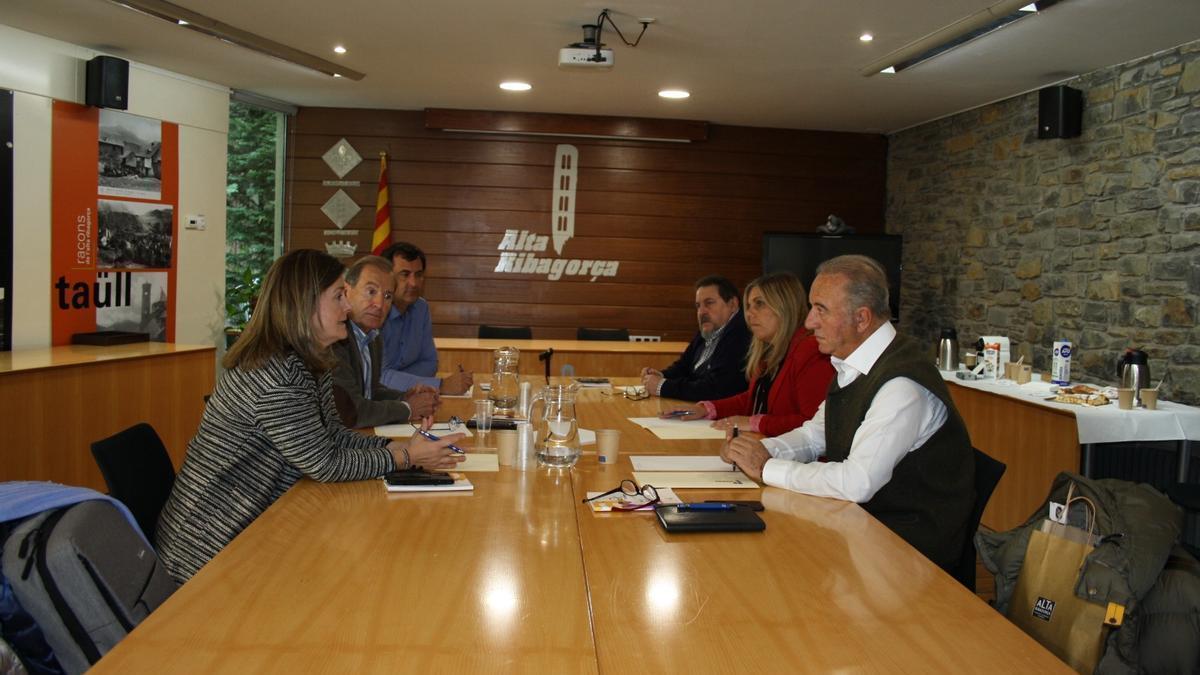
point(889, 431)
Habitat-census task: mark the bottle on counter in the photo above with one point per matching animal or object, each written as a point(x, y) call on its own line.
point(1060, 366)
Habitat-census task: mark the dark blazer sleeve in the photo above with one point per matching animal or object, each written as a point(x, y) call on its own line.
point(348, 386)
point(721, 375)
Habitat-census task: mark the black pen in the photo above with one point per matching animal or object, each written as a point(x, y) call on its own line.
point(735, 435)
point(431, 437)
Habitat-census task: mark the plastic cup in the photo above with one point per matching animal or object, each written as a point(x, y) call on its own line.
point(1125, 399)
point(1150, 399)
point(608, 445)
point(483, 414)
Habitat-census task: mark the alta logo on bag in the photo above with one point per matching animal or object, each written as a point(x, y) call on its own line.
point(1043, 608)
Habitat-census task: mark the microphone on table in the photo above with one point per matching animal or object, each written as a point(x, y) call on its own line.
point(546, 356)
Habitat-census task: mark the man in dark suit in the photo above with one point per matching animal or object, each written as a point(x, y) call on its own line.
point(361, 400)
point(712, 366)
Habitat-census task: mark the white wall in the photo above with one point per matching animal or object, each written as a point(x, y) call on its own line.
point(40, 70)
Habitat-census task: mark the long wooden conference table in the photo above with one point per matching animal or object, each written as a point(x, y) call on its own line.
point(519, 576)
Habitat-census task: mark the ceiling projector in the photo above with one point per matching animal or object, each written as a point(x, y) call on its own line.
point(585, 57)
point(590, 53)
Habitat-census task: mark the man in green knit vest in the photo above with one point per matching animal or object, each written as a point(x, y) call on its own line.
point(890, 433)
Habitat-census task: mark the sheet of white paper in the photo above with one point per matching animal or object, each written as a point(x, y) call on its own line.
point(406, 430)
point(679, 429)
point(479, 461)
point(679, 463)
point(695, 479)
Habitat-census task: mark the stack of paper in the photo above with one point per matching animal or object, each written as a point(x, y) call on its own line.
point(674, 429)
point(688, 471)
point(460, 484)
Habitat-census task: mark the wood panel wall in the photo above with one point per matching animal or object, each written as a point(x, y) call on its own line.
point(669, 212)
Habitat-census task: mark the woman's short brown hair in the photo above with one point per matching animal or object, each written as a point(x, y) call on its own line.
point(283, 318)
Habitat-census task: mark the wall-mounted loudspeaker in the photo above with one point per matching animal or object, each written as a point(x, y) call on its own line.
point(108, 83)
point(1060, 112)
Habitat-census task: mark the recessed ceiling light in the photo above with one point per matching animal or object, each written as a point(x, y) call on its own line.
point(337, 74)
point(339, 50)
point(1031, 7)
point(515, 86)
point(181, 22)
point(673, 93)
point(890, 70)
point(866, 37)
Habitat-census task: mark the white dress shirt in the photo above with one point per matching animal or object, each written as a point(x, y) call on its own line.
point(902, 417)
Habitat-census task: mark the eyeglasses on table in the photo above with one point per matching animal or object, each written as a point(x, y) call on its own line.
point(631, 489)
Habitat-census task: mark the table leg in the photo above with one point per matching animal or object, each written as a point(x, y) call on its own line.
point(1185, 457)
point(1086, 461)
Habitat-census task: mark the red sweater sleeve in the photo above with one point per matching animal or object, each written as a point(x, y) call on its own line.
point(800, 387)
point(738, 404)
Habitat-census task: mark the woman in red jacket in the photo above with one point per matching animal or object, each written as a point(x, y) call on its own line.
point(788, 375)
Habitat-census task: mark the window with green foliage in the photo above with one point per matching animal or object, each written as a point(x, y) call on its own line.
point(253, 198)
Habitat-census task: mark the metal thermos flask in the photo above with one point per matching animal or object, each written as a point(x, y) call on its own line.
point(1134, 370)
point(948, 350)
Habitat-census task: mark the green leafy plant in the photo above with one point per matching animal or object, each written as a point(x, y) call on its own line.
point(250, 208)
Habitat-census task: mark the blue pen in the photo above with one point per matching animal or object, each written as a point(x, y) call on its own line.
point(431, 437)
point(706, 506)
point(677, 413)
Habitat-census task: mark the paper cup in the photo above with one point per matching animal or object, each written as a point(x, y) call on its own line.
point(506, 446)
point(1150, 399)
point(608, 445)
point(1125, 399)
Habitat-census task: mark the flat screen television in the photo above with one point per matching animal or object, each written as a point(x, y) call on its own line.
point(802, 253)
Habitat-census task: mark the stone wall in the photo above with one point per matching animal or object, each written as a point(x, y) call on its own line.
point(1095, 239)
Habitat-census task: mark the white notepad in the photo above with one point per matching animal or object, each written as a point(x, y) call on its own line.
point(672, 429)
point(721, 480)
point(406, 430)
point(479, 461)
point(680, 463)
point(460, 484)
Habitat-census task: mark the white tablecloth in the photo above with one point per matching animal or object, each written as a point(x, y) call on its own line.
point(1102, 424)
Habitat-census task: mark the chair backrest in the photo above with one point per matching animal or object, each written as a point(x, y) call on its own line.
point(505, 333)
point(987, 474)
point(609, 334)
point(138, 471)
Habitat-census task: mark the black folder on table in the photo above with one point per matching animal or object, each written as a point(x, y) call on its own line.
point(741, 519)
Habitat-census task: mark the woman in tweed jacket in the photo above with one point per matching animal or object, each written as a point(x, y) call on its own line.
point(272, 419)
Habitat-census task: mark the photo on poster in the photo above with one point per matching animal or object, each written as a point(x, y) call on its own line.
point(132, 301)
point(130, 155)
point(134, 234)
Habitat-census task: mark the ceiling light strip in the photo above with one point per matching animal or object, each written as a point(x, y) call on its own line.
point(947, 34)
point(256, 43)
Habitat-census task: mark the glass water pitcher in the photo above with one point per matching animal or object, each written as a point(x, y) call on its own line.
point(506, 383)
point(557, 431)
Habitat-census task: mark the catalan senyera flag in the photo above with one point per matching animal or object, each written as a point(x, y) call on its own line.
point(382, 237)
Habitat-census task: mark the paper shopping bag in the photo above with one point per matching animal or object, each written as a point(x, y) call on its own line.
point(1044, 603)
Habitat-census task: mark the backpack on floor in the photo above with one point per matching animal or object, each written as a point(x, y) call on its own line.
point(86, 576)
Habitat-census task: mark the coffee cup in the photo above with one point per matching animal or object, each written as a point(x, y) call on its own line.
point(608, 444)
point(1125, 399)
point(506, 447)
point(970, 358)
point(1150, 398)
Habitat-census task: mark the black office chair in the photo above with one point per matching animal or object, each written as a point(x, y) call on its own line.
point(608, 334)
point(505, 333)
point(987, 474)
point(138, 471)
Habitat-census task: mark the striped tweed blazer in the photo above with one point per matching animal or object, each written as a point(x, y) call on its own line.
point(261, 431)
